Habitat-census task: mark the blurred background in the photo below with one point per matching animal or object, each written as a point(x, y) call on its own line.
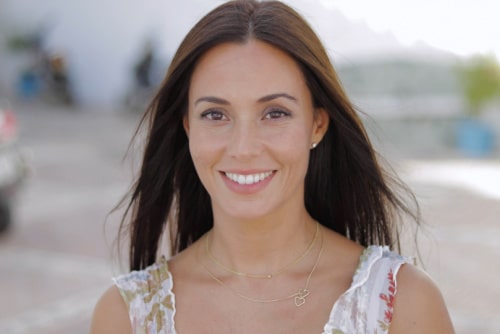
point(74, 80)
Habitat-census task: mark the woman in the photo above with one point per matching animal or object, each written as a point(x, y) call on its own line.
point(258, 167)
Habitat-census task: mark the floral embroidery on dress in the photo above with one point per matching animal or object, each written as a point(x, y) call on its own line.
point(389, 302)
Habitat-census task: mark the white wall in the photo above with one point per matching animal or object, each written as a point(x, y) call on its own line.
point(100, 39)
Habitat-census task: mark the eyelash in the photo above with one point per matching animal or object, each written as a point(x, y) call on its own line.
point(273, 112)
point(209, 114)
point(216, 115)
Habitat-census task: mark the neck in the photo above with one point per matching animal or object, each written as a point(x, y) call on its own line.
point(261, 246)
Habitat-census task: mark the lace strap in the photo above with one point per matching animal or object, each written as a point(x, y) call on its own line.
point(149, 297)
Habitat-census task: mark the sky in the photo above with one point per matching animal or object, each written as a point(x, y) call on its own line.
point(463, 27)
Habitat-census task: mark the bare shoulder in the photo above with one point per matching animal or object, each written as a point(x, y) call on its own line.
point(110, 314)
point(419, 305)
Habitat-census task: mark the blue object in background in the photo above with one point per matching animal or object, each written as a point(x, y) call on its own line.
point(29, 85)
point(475, 138)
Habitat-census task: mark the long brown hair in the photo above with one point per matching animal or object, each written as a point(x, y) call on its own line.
point(345, 188)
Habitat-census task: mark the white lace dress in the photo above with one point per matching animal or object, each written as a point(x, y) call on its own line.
point(366, 307)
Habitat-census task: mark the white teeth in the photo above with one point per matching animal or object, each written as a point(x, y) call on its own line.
point(248, 179)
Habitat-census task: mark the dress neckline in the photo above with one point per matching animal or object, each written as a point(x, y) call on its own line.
point(368, 256)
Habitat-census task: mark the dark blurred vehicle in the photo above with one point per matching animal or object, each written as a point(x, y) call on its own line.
point(12, 166)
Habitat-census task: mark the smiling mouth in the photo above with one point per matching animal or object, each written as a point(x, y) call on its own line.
point(248, 178)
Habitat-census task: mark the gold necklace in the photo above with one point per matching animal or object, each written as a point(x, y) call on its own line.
point(268, 276)
point(299, 296)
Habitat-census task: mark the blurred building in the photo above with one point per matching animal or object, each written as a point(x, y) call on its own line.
point(102, 40)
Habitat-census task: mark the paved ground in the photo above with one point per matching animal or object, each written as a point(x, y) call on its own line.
point(58, 257)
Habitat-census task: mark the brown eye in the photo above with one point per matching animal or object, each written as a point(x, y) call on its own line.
point(213, 115)
point(277, 113)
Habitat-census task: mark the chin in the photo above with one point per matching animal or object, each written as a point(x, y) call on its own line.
point(247, 212)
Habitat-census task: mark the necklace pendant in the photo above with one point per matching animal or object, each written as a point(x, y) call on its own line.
point(300, 298)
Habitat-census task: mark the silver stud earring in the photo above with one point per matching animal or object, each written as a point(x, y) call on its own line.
point(313, 146)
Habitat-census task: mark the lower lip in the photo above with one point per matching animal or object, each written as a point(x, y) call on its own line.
point(246, 188)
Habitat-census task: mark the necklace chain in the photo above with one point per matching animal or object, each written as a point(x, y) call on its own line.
point(299, 296)
point(268, 276)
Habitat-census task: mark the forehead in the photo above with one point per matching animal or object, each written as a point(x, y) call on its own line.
point(253, 65)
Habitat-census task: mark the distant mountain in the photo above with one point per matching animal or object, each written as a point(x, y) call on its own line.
point(373, 64)
point(349, 41)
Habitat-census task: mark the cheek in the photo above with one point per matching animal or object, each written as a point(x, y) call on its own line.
point(292, 148)
point(295, 140)
point(204, 150)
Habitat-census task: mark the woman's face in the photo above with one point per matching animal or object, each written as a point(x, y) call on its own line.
point(251, 123)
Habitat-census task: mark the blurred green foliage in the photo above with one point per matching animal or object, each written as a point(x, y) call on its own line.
point(480, 78)
point(23, 42)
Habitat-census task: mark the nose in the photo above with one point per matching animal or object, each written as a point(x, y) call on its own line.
point(244, 142)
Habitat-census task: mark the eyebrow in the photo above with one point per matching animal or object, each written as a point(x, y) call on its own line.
point(212, 99)
point(267, 98)
point(271, 97)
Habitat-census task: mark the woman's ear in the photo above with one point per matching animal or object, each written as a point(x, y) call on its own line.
point(320, 125)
